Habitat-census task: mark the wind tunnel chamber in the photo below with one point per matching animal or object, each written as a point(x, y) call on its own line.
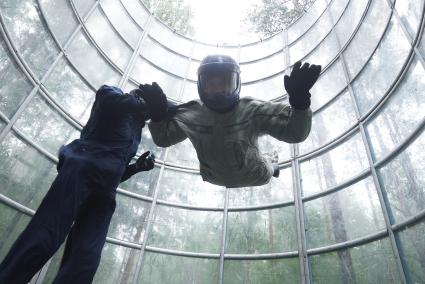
point(349, 205)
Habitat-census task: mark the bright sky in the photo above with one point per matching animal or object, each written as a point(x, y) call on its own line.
point(220, 21)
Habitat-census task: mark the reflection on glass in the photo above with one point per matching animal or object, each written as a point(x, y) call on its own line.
point(98, 72)
point(186, 188)
point(262, 231)
point(328, 123)
point(187, 230)
point(310, 39)
point(2, 124)
point(120, 19)
point(160, 268)
point(403, 180)
point(348, 214)
point(146, 73)
point(261, 49)
point(83, 6)
point(403, 112)
point(263, 68)
point(413, 243)
point(137, 11)
point(24, 23)
point(370, 263)
point(108, 40)
point(274, 149)
point(54, 265)
point(25, 175)
point(201, 50)
point(262, 271)
point(193, 70)
point(183, 154)
point(382, 70)
point(129, 220)
point(12, 223)
point(422, 46)
point(367, 37)
point(307, 20)
point(67, 88)
point(45, 126)
point(325, 52)
point(60, 17)
point(338, 8)
point(410, 12)
point(117, 265)
point(14, 87)
point(143, 183)
point(349, 21)
point(190, 91)
point(170, 39)
point(147, 144)
point(333, 167)
point(265, 89)
point(328, 86)
point(163, 58)
point(277, 190)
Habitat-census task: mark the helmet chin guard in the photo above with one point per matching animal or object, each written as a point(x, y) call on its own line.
point(219, 82)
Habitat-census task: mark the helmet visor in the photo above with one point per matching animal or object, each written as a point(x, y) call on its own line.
point(220, 83)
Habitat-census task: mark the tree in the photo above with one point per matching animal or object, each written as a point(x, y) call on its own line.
point(174, 13)
point(272, 16)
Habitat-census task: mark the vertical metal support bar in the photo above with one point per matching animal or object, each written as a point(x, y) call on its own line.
point(296, 185)
point(299, 216)
point(223, 236)
point(382, 198)
point(137, 276)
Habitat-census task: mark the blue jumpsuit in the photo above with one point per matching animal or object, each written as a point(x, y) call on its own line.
point(81, 200)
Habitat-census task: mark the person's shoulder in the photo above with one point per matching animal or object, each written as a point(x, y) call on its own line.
point(106, 89)
point(190, 105)
point(250, 102)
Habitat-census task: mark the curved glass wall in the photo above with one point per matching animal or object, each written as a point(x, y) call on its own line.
point(349, 205)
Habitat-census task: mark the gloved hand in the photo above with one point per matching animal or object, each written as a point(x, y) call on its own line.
point(145, 162)
point(155, 99)
point(299, 83)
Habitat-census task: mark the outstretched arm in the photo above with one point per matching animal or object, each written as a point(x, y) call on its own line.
point(113, 99)
point(290, 123)
point(283, 122)
point(166, 133)
point(145, 162)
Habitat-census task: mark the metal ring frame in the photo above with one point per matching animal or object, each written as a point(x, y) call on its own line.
point(298, 202)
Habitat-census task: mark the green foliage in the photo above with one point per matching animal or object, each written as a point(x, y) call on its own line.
point(174, 13)
point(272, 16)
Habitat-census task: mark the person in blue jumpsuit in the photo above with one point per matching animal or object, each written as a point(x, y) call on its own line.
point(81, 200)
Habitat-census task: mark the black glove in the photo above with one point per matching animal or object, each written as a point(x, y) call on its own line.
point(145, 162)
point(299, 83)
point(155, 99)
